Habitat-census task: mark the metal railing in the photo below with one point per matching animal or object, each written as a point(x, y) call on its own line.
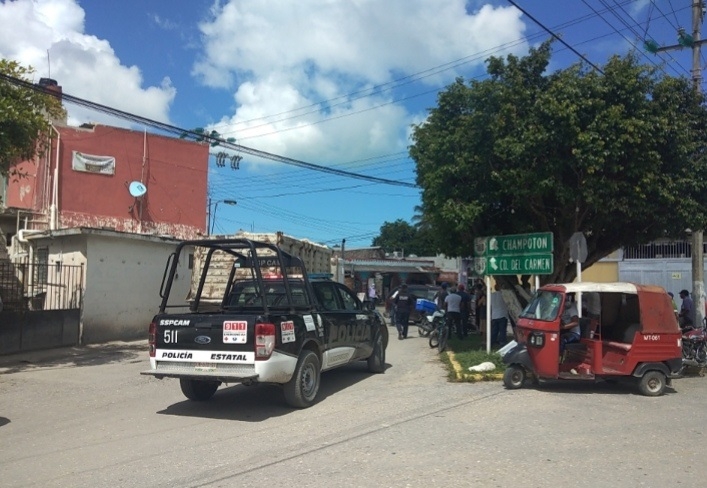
point(40, 286)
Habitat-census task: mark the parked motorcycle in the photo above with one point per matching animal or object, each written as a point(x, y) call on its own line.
point(429, 322)
point(694, 347)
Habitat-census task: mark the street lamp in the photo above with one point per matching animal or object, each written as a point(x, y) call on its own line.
point(212, 215)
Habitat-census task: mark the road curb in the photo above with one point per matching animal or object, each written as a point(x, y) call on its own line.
point(459, 373)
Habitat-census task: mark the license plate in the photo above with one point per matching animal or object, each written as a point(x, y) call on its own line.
point(205, 367)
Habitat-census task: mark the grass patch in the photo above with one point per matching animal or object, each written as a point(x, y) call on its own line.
point(472, 351)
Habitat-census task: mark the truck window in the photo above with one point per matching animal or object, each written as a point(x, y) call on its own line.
point(349, 300)
point(326, 296)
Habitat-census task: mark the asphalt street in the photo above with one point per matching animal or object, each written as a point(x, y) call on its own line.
point(85, 417)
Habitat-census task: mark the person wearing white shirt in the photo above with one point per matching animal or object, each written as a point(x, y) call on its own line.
point(452, 306)
point(499, 318)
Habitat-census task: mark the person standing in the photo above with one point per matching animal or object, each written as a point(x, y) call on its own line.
point(499, 318)
point(687, 310)
point(465, 308)
point(452, 307)
point(402, 311)
point(372, 294)
point(440, 296)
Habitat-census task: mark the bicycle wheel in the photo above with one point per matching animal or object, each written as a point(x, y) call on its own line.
point(443, 336)
point(434, 335)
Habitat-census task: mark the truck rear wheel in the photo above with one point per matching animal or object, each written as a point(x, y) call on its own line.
point(302, 389)
point(198, 390)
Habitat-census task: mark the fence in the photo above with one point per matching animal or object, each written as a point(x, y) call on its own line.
point(40, 286)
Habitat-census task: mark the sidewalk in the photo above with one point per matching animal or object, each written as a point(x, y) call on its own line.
point(91, 354)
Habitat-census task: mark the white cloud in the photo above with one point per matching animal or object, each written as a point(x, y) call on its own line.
point(281, 56)
point(53, 41)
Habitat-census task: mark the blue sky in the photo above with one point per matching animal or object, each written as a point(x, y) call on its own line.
point(333, 83)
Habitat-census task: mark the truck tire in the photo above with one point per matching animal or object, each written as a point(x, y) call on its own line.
point(376, 361)
point(198, 390)
point(302, 389)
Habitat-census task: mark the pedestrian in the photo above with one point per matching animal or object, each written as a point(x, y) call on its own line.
point(687, 310)
point(465, 309)
point(402, 311)
point(499, 318)
point(675, 305)
point(452, 307)
point(441, 295)
point(372, 294)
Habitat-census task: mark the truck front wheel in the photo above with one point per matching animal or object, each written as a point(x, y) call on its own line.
point(302, 389)
point(198, 390)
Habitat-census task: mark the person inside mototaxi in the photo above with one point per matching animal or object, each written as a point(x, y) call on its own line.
point(569, 323)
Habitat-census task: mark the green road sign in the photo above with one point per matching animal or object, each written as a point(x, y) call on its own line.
point(539, 264)
point(514, 245)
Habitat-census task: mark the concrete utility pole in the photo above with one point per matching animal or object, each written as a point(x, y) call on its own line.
point(694, 41)
point(698, 284)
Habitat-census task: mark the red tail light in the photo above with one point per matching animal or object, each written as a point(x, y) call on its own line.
point(152, 338)
point(264, 340)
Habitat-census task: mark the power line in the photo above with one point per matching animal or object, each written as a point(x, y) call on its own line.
point(171, 129)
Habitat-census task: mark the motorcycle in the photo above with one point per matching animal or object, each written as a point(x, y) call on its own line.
point(429, 322)
point(694, 347)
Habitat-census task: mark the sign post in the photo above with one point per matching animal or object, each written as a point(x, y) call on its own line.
point(519, 254)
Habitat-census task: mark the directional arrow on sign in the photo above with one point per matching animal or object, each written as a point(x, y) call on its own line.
point(492, 264)
point(493, 244)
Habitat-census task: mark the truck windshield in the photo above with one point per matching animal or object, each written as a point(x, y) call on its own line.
point(543, 306)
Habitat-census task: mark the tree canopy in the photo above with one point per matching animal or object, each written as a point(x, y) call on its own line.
point(24, 117)
point(403, 237)
point(618, 154)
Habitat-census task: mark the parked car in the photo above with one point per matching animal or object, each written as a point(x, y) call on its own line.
point(417, 291)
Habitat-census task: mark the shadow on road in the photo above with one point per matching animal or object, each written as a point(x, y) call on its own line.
point(91, 355)
point(4, 421)
point(260, 402)
point(598, 387)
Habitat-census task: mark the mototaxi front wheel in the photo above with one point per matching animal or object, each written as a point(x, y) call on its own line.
point(514, 377)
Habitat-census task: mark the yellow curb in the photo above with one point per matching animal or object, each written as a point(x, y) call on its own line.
point(460, 375)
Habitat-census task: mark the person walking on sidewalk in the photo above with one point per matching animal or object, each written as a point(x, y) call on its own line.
point(403, 303)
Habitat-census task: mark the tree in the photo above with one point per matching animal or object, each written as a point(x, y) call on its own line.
point(617, 155)
point(24, 117)
point(403, 237)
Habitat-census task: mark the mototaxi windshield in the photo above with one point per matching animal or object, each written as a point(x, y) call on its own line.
point(545, 305)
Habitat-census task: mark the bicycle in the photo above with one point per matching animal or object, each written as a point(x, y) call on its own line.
point(440, 335)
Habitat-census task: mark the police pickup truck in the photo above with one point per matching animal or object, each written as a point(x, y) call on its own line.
point(253, 315)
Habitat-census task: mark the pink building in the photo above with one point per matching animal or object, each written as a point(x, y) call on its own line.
point(106, 177)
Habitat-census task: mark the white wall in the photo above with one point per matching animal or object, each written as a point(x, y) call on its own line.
point(123, 278)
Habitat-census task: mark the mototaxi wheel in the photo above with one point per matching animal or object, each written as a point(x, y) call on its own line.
point(652, 383)
point(514, 377)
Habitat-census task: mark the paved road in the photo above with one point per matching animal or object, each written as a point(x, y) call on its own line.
point(86, 418)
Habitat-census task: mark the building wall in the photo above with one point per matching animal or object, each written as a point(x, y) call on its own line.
point(123, 279)
point(173, 170)
point(121, 284)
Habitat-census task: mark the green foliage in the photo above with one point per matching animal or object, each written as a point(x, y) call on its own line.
point(401, 236)
point(24, 117)
point(617, 155)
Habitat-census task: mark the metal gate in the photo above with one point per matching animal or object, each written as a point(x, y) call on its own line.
point(41, 305)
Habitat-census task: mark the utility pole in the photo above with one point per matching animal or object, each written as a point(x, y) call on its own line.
point(692, 41)
point(698, 284)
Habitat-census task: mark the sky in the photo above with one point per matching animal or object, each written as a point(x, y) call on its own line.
point(334, 83)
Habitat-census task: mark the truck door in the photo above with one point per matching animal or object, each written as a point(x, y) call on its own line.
point(344, 323)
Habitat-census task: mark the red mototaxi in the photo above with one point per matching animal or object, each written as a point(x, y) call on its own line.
point(627, 330)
